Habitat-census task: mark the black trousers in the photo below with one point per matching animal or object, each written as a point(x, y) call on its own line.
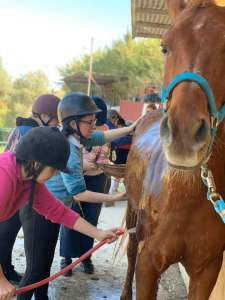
point(8, 232)
point(40, 238)
point(73, 243)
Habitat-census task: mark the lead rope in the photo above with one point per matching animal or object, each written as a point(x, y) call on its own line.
point(212, 195)
point(71, 266)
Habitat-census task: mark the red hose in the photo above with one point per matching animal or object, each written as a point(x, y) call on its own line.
point(71, 266)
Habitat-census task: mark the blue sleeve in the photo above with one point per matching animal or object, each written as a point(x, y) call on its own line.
point(125, 140)
point(74, 182)
point(97, 139)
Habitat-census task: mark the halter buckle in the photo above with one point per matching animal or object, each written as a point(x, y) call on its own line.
point(214, 122)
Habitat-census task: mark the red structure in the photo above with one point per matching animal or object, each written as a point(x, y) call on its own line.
point(131, 110)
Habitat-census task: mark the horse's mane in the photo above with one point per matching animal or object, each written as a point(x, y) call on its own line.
point(200, 3)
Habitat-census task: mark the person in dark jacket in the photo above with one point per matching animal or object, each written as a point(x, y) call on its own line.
point(119, 152)
point(44, 113)
point(121, 147)
point(112, 117)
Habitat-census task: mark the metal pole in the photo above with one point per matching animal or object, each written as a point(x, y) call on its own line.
point(90, 67)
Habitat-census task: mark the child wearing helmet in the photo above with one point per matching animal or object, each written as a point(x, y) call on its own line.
point(77, 113)
point(39, 155)
point(44, 113)
point(64, 190)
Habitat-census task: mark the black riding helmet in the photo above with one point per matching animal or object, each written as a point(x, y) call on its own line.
point(74, 106)
point(45, 145)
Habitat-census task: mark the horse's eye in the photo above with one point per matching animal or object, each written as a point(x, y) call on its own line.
point(164, 49)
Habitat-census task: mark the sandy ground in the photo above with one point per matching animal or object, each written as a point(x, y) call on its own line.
point(107, 281)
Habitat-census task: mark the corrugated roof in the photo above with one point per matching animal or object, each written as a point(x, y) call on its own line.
point(149, 18)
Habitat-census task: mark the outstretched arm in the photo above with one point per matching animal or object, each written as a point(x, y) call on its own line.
point(94, 197)
point(113, 134)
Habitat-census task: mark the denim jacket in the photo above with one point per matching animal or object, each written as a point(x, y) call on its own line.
point(64, 186)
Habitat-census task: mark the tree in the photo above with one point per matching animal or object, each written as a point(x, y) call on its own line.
point(26, 88)
point(5, 90)
point(139, 60)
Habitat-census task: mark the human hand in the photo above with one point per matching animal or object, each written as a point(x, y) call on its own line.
point(120, 196)
point(109, 234)
point(89, 166)
point(7, 290)
point(134, 125)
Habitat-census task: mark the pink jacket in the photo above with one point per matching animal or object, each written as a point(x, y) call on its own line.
point(14, 193)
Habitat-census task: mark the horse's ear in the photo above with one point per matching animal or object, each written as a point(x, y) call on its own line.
point(175, 7)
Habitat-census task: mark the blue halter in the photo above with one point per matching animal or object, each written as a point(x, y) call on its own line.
point(218, 116)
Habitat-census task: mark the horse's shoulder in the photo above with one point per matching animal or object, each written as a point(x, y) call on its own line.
point(146, 163)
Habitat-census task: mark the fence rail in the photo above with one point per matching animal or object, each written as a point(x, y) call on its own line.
point(4, 133)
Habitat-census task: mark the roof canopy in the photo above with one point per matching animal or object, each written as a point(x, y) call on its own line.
point(149, 18)
point(101, 80)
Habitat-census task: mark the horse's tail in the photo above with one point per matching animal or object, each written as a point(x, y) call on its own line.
point(129, 225)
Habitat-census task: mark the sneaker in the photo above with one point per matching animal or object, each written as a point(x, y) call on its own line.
point(88, 266)
point(13, 276)
point(63, 264)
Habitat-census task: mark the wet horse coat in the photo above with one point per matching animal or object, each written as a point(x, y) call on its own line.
point(168, 205)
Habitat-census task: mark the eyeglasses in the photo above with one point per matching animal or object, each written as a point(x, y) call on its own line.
point(90, 123)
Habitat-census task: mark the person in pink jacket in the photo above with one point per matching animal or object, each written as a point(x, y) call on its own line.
point(39, 155)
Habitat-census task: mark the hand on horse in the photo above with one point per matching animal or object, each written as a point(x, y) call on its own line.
point(120, 196)
point(7, 290)
point(133, 126)
point(109, 234)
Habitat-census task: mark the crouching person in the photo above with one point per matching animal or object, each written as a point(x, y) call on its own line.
point(39, 155)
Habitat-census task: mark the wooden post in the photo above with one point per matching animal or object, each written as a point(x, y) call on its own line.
point(90, 67)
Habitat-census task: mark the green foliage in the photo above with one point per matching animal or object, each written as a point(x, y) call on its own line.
point(140, 60)
point(16, 97)
point(5, 91)
point(26, 88)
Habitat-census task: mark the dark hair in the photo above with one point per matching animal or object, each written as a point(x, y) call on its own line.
point(101, 117)
point(31, 168)
point(112, 114)
point(121, 122)
point(151, 105)
point(66, 128)
point(152, 98)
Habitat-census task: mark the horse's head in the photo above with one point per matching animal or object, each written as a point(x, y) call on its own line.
point(194, 43)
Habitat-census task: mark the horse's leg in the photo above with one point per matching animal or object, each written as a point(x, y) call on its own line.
point(131, 256)
point(155, 254)
point(146, 274)
point(201, 285)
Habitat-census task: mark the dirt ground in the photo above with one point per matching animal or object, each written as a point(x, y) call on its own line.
point(107, 281)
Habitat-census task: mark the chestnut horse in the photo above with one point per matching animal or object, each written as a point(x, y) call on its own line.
point(174, 203)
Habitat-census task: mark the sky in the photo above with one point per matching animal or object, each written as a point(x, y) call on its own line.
point(47, 34)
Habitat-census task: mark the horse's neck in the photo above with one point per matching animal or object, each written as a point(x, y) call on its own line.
point(217, 160)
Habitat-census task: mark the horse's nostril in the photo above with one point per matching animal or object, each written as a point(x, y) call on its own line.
point(202, 131)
